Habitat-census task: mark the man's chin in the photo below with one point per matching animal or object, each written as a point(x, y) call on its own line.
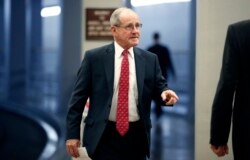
point(135, 43)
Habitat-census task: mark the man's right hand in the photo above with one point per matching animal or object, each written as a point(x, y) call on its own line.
point(220, 151)
point(72, 146)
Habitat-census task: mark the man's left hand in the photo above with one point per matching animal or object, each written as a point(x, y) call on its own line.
point(169, 96)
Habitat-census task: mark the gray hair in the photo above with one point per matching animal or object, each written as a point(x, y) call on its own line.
point(115, 16)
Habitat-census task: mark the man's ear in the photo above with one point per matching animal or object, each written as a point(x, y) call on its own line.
point(113, 29)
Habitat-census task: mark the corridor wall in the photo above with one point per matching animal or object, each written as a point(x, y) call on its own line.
point(89, 44)
point(213, 18)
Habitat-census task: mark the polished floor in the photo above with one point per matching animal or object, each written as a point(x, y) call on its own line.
point(172, 138)
point(172, 134)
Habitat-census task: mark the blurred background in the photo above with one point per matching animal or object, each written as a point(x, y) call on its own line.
point(42, 43)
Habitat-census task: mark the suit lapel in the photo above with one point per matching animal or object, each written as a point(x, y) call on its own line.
point(108, 60)
point(140, 70)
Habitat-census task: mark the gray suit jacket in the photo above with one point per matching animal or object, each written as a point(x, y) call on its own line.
point(95, 80)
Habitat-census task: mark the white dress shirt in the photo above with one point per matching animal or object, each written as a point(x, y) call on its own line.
point(133, 91)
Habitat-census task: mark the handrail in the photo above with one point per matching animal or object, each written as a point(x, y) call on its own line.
point(51, 145)
point(47, 122)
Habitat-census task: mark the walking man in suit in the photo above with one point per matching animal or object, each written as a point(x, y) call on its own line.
point(232, 98)
point(166, 65)
point(120, 81)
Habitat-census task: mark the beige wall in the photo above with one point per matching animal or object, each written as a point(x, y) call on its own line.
point(213, 18)
point(86, 45)
point(96, 4)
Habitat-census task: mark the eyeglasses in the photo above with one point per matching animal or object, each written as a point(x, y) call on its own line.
point(130, 27)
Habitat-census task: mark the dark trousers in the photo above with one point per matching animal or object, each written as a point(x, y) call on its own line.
point(158, 109)
point(113, 146)
point(241, 143)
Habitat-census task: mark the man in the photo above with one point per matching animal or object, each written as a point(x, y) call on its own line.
point(163, 54)
point(103, 77)
point(166, 66)
point(232, 98)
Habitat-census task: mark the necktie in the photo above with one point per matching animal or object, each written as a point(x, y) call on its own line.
point(122, 122)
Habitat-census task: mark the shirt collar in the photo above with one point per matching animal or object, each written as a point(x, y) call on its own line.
point(119, 50)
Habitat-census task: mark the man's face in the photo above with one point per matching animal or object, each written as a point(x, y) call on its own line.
point(127, 33)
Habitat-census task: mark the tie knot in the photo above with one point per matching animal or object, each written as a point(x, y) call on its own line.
point(125, 52)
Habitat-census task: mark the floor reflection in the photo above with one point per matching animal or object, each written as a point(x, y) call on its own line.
point(172, 138)
point(173, 133)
